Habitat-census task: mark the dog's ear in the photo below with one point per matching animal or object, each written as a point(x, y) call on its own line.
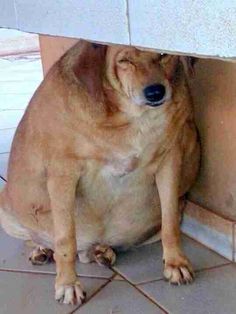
point(171, 63)
point(89, 68)
point(188, 65)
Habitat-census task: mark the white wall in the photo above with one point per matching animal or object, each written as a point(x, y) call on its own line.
point(203, 27)
point(15, 42)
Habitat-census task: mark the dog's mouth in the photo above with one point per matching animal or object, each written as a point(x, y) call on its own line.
point(155, 104)
point(160, 102)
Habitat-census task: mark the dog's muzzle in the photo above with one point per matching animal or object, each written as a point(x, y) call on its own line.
point(155, 94)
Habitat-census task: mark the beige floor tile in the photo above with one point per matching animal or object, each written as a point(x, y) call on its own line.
point(213, 292)
point(118, 297)
point(15, 255)
point(145, 263)
point(34, 293)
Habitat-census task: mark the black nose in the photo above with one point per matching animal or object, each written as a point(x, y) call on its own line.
point(154, 94)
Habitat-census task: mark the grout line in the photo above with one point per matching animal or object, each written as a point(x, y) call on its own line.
point(149, 281)
point(213, 267)
point(12, 128)
point(95, 293)
point(195, 270)
point(38, 272)
point(128, 20)
point(6, 109)
point(26, 53)
point(142, 292)
point(8, 55)
point(94, 277)
point(20, 271)
point(16, 14)
point(12, 109)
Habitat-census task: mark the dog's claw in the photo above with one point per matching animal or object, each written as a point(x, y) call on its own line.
point(178, 271)
point(70, 294)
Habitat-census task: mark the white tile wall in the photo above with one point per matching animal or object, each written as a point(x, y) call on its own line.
point(206, 27)
point(13, 41)
point(13, 102)
point(91, 19)
point(21, 87)
point(3, 165)
point(203, 27)
point(6, 137)
point(10, 118)
point(7, 14)
point(19, 78)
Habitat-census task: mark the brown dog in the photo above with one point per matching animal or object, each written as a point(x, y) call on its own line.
point(105, 150)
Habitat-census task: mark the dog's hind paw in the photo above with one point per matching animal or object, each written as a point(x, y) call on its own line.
point(70, 294)
point(104, 255)
point(41, 256)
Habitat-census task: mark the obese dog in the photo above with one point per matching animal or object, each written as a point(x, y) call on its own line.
point(105, 151)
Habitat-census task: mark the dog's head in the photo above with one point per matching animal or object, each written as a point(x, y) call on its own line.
point(143, 78)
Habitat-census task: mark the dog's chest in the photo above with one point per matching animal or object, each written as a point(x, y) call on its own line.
point(146, 140)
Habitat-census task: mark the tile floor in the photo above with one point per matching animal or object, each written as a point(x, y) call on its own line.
point(135, 284)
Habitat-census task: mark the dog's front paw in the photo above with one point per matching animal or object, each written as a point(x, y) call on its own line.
point(178, 270)
point(70, 294)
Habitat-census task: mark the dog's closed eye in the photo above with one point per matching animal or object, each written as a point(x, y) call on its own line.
point(125, 60)
point(125, 63)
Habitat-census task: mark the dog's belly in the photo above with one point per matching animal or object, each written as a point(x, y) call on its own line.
point(117, 211)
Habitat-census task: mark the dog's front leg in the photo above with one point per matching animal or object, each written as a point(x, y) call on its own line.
point(177, 268)
point(62, 197)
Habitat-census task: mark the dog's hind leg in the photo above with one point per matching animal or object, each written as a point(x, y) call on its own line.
point(41, 256)
point(100, 253)
point(104, 255)
point(86, 256)
point(155, 238)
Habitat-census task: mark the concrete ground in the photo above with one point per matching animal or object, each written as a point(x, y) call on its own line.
point(135, 284)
